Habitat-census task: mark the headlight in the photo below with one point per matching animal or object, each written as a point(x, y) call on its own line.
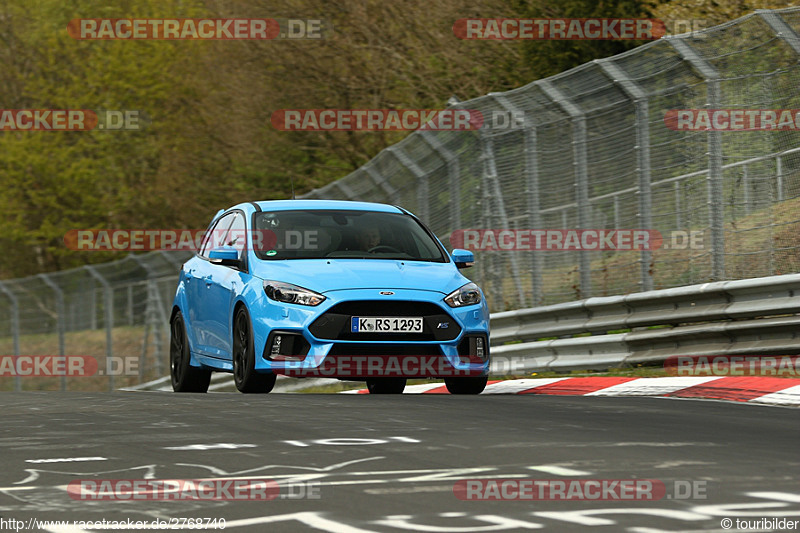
point(469, 294)
point(291, 294)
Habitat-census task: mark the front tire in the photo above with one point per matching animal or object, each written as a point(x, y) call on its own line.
point(245, 377)
point(386, 385)
point(185, 378)
point(472, 385)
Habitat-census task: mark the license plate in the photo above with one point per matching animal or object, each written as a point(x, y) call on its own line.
point(386, 324)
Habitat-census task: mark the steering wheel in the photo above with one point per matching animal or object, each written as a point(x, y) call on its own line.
point(383, 247)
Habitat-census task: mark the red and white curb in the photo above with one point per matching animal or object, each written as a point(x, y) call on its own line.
point(756, 390)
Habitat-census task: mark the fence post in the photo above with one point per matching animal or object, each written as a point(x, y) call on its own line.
point(453, 176)
point(532, 200)
point(59, 322)
point(489, 265)
point(579, 141)
point(130, 304)
point(108, 294)
point(92, 306)
point(715, 190)
point(381, 182)
point(640, 101)
point(790, 37)
point(14, 329)
point(781, 28)
point(746, 188)
point(495, 210)
point(533, 204)
point(154, 317)
point(423, 196)
point(346, 191)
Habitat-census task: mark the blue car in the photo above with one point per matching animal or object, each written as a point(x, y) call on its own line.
point(327, 288)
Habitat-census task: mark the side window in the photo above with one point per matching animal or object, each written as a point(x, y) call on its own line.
point(236, 236)
point(214, 236)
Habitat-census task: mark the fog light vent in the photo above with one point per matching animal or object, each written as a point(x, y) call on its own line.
point(479, 349)
point(276, 345)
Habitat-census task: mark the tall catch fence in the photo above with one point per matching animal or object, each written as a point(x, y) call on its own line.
point(592, 152)
point(114, 312)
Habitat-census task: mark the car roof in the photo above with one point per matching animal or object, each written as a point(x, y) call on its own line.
point(290, 205)
point(285, 205)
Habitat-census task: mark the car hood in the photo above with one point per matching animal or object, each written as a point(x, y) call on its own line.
point(324, 275)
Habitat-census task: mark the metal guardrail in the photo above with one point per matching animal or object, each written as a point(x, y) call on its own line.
point(743, 317)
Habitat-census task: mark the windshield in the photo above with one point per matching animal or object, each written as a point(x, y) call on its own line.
point(322, 234)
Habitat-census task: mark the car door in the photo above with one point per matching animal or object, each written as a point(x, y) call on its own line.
point(197, 277)
point(224, 283)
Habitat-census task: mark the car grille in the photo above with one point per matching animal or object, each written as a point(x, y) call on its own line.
point(359, 349)
point(334, 324)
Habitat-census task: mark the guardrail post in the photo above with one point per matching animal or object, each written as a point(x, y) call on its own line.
point(108, 304)
point(715, 190)
point(639, 98)
point(579, 142)
point(59, 322)
point(14, 329)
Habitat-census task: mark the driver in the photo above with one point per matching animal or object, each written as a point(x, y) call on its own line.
point(368, 238)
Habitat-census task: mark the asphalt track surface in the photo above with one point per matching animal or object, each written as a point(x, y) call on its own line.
point(389, 463)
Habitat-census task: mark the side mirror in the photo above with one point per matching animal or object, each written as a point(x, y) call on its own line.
point(225, 257)
point(463, 258)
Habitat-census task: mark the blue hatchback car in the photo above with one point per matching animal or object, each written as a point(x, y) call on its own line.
point(299, 283)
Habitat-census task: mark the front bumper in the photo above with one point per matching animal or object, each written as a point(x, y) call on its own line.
point(316, 341)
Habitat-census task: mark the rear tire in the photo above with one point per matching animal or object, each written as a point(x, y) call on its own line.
point(245, 377)
point(386, 385)
point(185, 378)
point(472, 385)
